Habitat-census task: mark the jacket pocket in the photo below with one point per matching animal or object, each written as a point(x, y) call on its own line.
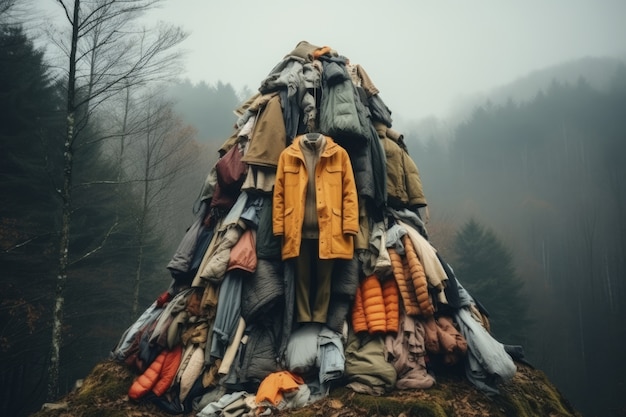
point(291, 182)
point(333, 179)
point(291, 169)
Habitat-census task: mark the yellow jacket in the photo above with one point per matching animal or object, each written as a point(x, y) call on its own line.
point(337, 201)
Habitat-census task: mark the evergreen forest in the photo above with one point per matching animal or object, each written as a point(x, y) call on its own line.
point(527, 202)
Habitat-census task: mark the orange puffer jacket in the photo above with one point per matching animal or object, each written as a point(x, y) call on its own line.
point(391, 296)
point(359, 322)
point(159, 375)
point(418, 276)
point(376, 306)
point(405, 286)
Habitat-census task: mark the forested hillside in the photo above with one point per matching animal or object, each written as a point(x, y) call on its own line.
point(541, 181)
point(547, 175)
point(135, 171)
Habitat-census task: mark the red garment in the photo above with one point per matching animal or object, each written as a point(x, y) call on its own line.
point(159, 375)
point(243, 253)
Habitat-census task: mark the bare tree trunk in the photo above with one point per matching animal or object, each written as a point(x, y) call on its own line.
point(140, 237)
point(107, 64)
point(140, 233)
point(64, 239)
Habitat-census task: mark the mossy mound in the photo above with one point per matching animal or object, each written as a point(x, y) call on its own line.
point(528, 394)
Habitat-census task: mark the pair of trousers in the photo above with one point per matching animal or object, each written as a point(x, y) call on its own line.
point(313, 280)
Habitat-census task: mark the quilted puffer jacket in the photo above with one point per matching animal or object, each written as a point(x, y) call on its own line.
point(263, 290)
point(376, 306)
point(391, 295)
point(427, 254)
point(418, 276)
point(404, 185)
point(159, 375)
point(411, 278)
point(359, 322)
point(338, 110)
point(405, 285)
point(373, 304)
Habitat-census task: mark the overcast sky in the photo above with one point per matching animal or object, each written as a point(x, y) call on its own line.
point(422, 55)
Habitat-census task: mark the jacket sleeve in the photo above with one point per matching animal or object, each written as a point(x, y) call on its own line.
point(144, 382)
point(359, 324)
point(278, 200)
point(171, 362)
point(414, 189)
point(350, 199)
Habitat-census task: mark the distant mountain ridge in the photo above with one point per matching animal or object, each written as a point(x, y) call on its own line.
point(596, 71)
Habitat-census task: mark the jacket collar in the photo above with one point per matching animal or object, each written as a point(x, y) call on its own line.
point(330, 149)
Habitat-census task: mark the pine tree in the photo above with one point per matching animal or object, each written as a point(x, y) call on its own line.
point(28, 103)
point(485, 268)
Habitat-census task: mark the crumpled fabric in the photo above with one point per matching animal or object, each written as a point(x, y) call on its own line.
point(407, 353)
point(487, 363)
point(243, 253)
point(275, 386)
point(193, 368)
point(366, 363)
point(436, 275)
point(181, 259)
point(376, 260)
point(228, 313)
point(196, 335)
point(174, 314)
point(330, 356)
point(216, 408)
point(217, 264)
point(301, 353)
point(122, 349)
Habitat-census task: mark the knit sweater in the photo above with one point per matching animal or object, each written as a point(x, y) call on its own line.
point(312, 145)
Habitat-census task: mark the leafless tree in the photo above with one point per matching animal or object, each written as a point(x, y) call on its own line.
point(162, 150)
point(105, 54)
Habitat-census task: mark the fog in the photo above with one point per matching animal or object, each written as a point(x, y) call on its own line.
point(545, 175)
point(422, 55)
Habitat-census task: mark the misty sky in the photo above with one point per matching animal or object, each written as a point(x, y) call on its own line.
point(421, 55)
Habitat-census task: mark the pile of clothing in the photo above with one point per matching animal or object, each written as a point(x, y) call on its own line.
point(223, 338)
